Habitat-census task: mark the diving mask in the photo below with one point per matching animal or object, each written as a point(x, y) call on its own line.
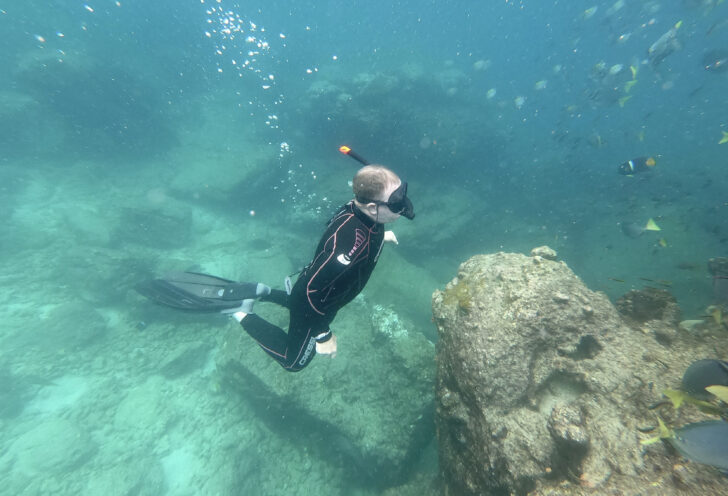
point(398, 202)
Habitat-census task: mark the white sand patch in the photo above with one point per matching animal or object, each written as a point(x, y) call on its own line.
point(51, 447)
point(61, 395)
point(180, 467)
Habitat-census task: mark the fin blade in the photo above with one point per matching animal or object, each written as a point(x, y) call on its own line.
point(192, 291)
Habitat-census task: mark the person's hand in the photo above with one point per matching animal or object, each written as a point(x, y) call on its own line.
point(327, 347)
point(390, 237)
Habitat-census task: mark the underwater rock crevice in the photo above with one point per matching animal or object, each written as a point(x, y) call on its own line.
point(587, 348)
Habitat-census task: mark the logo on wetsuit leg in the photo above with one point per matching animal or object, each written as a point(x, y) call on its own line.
point(307, 353)
point(343, 259)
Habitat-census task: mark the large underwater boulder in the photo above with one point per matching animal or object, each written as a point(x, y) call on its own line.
point(369, 410)
point(543, 388)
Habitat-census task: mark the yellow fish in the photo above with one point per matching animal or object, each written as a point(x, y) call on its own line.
point(628, 85)
point(724, 139)
point(633, 68)
point(624, 100)
point(662, 242)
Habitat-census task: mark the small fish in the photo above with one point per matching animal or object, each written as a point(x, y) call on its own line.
point(662, 242)
point(724, 139)
point(716, 61)
point(624, 100)
point(596, 140)
point(519, 101)
point(481, 65)
point(718, 25)
point(589, 13)
point(623, 37)
point(615, 279)
point(540, 85)
point(664, 46)
point(599, 68)
point(616, 69)
point(490, 94)
point(637, 165)
point(616, 7)
point(634, 230)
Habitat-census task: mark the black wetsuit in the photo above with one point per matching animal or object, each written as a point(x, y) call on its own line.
point(344, 260)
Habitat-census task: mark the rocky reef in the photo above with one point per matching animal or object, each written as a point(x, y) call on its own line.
point(544, 387)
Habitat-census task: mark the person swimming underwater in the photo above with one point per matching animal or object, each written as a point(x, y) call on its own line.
point(345, 258)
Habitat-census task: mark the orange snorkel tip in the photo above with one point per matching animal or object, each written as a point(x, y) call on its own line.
point(351, 153)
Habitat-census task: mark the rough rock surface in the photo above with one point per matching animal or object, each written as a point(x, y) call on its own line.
point(649, 304)
point(543, 388)
point(368, 410)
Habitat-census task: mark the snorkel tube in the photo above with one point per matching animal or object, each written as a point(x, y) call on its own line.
point(348, 151)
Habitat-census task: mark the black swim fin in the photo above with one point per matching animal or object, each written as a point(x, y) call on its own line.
point(197, 292)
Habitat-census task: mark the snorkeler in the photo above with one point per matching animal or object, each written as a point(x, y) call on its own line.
point(341, 266)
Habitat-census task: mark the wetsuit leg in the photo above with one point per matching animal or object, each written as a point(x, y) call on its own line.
point(294, 350)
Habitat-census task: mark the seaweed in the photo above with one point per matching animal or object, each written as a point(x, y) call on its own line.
point(460, 295)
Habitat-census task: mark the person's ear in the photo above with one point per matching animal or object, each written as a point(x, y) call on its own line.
point(371, 208)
